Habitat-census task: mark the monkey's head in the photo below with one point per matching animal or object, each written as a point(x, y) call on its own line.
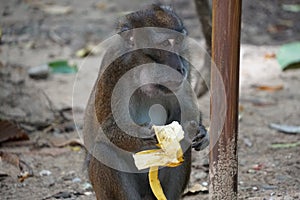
point(161, 43)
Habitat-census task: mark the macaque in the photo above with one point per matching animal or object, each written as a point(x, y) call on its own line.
point(114, 129)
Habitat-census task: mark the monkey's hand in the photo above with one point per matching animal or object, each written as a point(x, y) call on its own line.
point(201, 138)
point(147, 136)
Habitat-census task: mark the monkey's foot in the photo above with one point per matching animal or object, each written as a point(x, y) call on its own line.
point(201, 140)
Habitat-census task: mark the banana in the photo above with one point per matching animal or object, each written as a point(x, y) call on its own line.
point(168, 154)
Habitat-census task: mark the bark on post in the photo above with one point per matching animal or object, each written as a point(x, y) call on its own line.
point(226, 16)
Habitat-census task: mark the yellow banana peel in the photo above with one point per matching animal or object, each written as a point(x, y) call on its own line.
point(155, 184)
point(169, 154)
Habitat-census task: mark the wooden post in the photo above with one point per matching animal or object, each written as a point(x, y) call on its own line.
point(226, 16)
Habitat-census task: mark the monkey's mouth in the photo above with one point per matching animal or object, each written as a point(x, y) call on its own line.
point(164, 88)
point(161, 89)
point(168, 87)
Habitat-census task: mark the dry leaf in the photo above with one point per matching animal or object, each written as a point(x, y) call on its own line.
point(24, 175)
point(90, 49)
point(10, 158)
point(195, 189)
point(268, 87)
point(101, 5)
point(51, 151)
point(198, 188)
point(62, 142)
point(270, 55)
point(56, 9)
point(13, 159)
point(11, 132)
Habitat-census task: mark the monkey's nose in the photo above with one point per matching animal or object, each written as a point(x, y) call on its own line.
point(181, 70)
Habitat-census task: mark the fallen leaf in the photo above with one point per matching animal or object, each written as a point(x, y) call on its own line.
point(241, 108)
point(288, 56)
point(90, 49)
point(268, 88)
point(11, 132)
point(83, 52)
point(291, 7)
point(62, 66)
point(285, 128)
point(275, 28)
point(13, 159)
point(258, 167)
point(270, 55)
point(23, 175)
point(101, 5)
point(285, 145)
point(50, 151)
point(76, 148)
point(10, 158)
point(61, 142)
point(56, 9)
point(195, 189)
point(286, 22)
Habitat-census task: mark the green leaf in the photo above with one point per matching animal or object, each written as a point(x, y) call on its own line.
point(62, 66)
point(285, 145)
point(291, 7)
point(288, 56)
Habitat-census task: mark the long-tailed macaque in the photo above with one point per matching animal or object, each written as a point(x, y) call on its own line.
point(111, 137)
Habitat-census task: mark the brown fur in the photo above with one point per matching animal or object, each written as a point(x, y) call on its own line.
point(110, 183)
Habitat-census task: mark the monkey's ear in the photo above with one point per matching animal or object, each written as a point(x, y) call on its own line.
point(127, 34)
point(123, 28)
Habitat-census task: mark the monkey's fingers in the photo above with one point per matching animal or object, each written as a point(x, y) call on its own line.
point(201, 140)
point(155, 183)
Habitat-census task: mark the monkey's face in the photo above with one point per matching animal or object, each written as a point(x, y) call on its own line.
point(158, 35)
point(168, 67)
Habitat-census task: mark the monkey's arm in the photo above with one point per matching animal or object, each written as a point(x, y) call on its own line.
point(134, 138)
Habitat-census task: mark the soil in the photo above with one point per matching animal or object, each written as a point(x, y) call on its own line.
point(31, 37)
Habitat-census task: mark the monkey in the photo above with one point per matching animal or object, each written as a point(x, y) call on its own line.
point(112, 136)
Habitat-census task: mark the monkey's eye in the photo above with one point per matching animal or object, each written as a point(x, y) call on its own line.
point(179, 39)
point(166, 43)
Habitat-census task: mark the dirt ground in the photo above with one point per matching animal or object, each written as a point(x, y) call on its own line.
point(33, 34)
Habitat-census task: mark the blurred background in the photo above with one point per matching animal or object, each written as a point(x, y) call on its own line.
point(44, 43)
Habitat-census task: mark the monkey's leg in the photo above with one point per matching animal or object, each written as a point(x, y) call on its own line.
point(109, 183)
point(174, 180)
